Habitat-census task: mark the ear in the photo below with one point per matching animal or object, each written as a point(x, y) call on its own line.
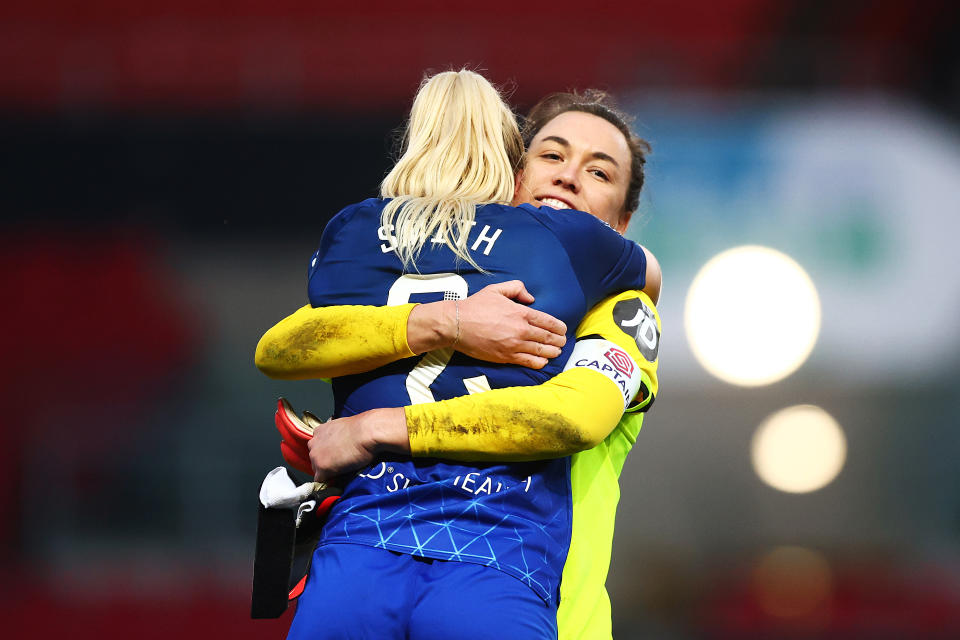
point(517, 199)
point(624, 222)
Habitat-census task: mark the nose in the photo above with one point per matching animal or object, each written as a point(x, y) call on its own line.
point(566, 178)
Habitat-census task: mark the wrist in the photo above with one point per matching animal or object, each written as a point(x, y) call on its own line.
point(433, 326)
point(385, 431)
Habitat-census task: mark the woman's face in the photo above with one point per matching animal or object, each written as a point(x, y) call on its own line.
point(578, 161)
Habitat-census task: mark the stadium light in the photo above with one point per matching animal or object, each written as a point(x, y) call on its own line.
point(752, 316)
point(799, 449)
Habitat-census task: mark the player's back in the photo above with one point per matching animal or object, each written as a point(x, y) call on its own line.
point(511, 516)
point(568, 260)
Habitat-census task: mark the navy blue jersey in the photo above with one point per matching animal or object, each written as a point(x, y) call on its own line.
point(514, 517)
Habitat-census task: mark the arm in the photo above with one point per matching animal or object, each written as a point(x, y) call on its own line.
point(574, 411)
point(610, 369)
point(327, 342)
point(654, 276)
point(571, 412)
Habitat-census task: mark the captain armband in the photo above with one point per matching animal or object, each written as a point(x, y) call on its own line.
point(607, 358)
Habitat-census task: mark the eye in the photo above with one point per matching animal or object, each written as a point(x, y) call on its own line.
point(550, 155)
point(600, 173)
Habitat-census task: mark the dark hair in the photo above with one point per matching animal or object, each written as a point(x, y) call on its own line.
point(598, 103)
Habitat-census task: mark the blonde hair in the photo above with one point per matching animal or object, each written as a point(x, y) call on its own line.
point(462, 147)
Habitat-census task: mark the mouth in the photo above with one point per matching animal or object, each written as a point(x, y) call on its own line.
point(555, 203)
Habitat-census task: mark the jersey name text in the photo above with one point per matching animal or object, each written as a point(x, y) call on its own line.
point(485, 240)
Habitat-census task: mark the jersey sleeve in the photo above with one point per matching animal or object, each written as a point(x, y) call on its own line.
point(631, 321)
point(332, 338)
point(571, 412)
point(327, 342)
point(624, 328)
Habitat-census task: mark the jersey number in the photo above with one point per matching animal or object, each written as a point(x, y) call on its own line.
point(432, 364)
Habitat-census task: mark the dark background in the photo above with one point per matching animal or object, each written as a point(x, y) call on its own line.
point(166, 172)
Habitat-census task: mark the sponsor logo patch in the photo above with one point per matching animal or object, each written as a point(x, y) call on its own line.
point(610, 360)
point(638, 321)
point(620, 360)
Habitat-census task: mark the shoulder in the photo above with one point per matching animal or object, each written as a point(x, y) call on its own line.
point(582, 234)
point(567, 220)
point(340, 230)
point(560, 222)
point(364, 209)
point(630, 313)
point(626, 329)
point(604, 259)
point(359, 214)
point(505, 213)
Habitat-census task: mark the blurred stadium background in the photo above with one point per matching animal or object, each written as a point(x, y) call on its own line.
point(168, 169)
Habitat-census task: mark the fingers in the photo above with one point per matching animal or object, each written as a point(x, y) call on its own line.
point(534, 355)
point(534, 333)
point(515, 290)
point(527, 360)
point(539, 349)
point(548, 330)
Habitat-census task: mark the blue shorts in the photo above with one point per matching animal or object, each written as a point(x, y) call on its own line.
point(355, 591)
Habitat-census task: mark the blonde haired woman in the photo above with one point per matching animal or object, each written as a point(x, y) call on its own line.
point(418, 547)
point(462, 148)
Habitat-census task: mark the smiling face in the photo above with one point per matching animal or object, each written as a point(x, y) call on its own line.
point(578, 161)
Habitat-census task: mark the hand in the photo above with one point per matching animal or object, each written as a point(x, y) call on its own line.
point(347, 444)
point(495, 326)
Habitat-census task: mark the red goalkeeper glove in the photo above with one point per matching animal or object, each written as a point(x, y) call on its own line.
point(295, 433)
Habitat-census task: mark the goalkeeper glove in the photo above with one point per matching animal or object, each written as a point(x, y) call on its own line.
point(295, 433)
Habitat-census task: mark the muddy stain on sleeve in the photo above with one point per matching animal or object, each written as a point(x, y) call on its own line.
point(502, 433)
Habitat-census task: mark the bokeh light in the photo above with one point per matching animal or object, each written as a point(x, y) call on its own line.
point(799, 449)
point(793, 583)
point(752, 316)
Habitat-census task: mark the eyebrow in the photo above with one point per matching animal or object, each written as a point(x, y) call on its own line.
point(599, 155)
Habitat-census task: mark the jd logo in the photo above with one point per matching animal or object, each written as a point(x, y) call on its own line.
point(637, 320)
